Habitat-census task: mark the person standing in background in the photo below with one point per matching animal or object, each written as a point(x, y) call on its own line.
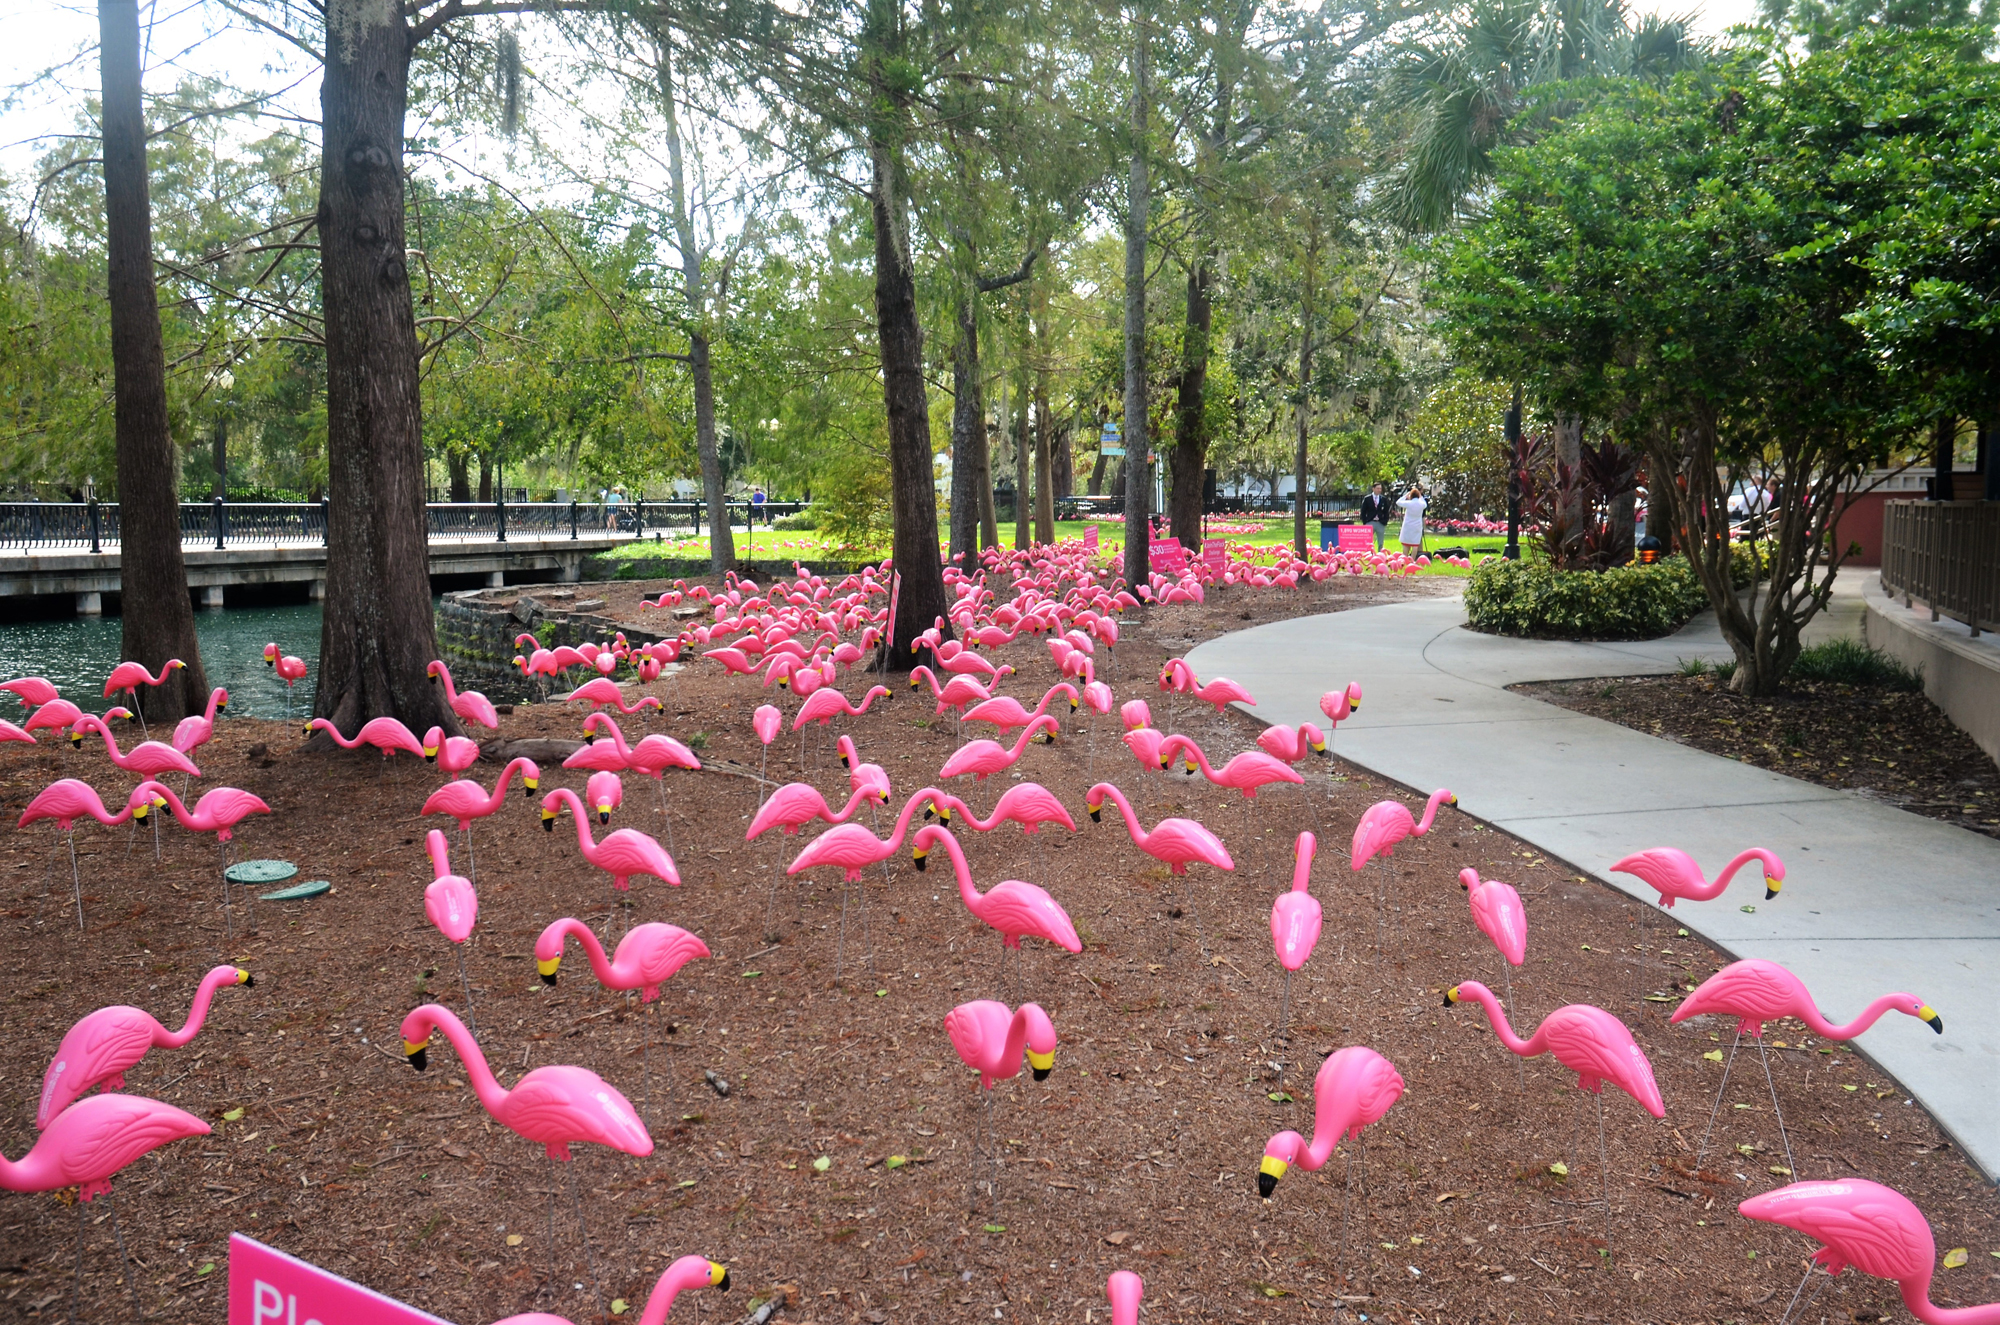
point(1412, 535)
point(1375, 511)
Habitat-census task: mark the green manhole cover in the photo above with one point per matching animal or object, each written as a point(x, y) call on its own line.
point(310, 888)
point(260, 871)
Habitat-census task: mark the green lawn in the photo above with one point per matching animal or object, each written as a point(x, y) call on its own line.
point(806, 545)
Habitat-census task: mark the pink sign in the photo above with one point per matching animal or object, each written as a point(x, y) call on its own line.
point(1215, 555)
point(1357, 538)
point(1168, 557)
point(268, 1287)
point(1090, 539)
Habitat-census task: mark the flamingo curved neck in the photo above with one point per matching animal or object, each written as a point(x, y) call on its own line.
point(89, 722)
point(1430, 811)
point(1743, 858)
point(1498, 1017)
point(1874, 1012)
point(1186, 743)
point(605, 720)
point(500, 785)
point(903, 819)
point(198, 1010)
point(181, 812)
point(1139, 834)
point(966, 889)
point(484, 1084)
point(33, 1173)
point(853, 804)
point(439, 854)
point(669, 1287)
point(593, 950)
point(584, 841)
point(1017, 1029)
point(1917, 1297)
point(450, 690)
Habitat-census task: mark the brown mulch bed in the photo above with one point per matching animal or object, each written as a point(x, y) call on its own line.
point(1893, 745)
point(1139, 1152)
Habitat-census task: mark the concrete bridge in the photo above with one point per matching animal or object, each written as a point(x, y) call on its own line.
point(50, 549)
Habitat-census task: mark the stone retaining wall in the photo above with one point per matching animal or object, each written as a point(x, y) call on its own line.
point(476, 629)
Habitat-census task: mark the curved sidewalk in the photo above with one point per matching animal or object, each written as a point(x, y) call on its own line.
point(1876, 899)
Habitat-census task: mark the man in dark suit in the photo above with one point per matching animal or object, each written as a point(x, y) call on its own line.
point(1376, 508)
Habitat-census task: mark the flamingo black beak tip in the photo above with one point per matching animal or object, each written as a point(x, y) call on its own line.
point(1266, 1184)
point(420, 1058)
point(549, 979)
point(250, 982)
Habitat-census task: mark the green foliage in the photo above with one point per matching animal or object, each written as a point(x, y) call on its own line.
point(1850, 662)
point(1531, 598)
point(1459, 449)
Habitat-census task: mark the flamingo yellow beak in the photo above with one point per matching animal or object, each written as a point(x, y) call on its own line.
point(529, 784)
point(430, 754)
point(1268, 1174)
point(918, 856)
point(1451, 996)
point(140, 811)
point(548, 968)
point(308, 731)
point(1771, 886)
point(1041, 1064)
point(1319, 747)
point(603, 814)
point(718, 1276)
point(1096, 813)
point(1353, 706)
point(1925, 1013)
point(244, 978)
point(418, 1054)
point(549, 820)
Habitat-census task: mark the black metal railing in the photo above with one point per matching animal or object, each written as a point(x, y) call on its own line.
point(1945, 554)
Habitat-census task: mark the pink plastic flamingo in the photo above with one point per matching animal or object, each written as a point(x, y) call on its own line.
point(1757, 991)
point(57, 715)
point(449, 901)
point(288, 668)
point(647, 957)
point(1013, 909)
point(1125, 1291)
point(861, 775)
point(1177, 843)
point(621, 854)
point(767, 722)
point(1005, 712)
point(989, 1038)
point(1354, 1087)
point(86, 1144)
point(825, 704)
point(797, 804)
point(1589, 1042)
point(1381, 826)
point(1674, 875)
point(603, 692)
point(127, 677)
point(1875, 1229)
point(469, 705)
point(68, 800)
point(466, 800)
point(982, 759)
point(196, 729)
point(853, 847)
point(9, 732)
point(1340, 705)
point(453, 754)
point(554, 1107)
point(961, 692)
point(604, 793)
point(102, 1047)
point(218, 812)
point(32, 691)
point(1292, 744)
point(1497, 910)
point(147, 759)
point(1220, 692)
point(385, 734)
point(1295, 921)
point(686, 1273)
point(1247, 772)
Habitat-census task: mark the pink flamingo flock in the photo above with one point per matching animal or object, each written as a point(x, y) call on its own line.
point(794, 638)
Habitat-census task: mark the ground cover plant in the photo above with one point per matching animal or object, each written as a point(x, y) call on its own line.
point(836, 1170)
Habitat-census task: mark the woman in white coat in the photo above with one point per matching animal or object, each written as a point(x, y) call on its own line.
point(1412, 533)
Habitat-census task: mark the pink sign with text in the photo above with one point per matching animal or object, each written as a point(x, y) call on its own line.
point(268, 1287)
point(1168, 556)
point(1357, 538)
point(1090, 539)
point(1215, 555)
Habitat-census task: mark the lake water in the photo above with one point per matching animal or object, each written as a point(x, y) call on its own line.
point(77, 653)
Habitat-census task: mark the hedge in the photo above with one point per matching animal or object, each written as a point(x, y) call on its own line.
point(1631, 602)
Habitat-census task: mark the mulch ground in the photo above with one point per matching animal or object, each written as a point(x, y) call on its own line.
point(1895, 746)
point(1140, 1152)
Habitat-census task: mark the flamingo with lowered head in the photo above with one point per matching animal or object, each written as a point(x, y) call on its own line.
point(602, 692)
point(622, 852)
point(686, 1273)
point(989, 1038)
point(147, 759)
point(1013, 909)
point(385, 734)
point(1176, 843)
point(1005, 712)
point(32, 691)
point(982, 759)
point(1674, 875)
point(1354, 1087)
point(453, 754)
point(469, 705)
point(103, 1046)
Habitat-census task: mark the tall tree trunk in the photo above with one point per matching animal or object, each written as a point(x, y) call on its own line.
point(1191, 408)
point(968, 435)
point(921, 599)
point(1305, 394)
point(379, 635)
point(458, 471)
point(1062, 463)
point(158, 615)
point(1022, 450)
point(1138, 198)
point(1569, 451)
point(486, 477)
point(721, 541)
point(219, 454)
point(1045, 508)
point(989, 521)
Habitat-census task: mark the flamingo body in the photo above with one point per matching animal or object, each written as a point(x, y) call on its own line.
point(89, 1142)
point(1246, 773)
point(101, 1047)
point(1385, 823)
point(147, 759)
point(32, 691)
point(453, 754)
point(646, 958)
point(68, 800)
point(1028, 804)
point(127, 677)
point(218, 811)
point(196, 729)
point(466, 800)
point(853, 847)
point(1353, 1088)
point(469, 705)
point(1757, 991)
point(982, 759)
point(385, 734)
point(449, 900)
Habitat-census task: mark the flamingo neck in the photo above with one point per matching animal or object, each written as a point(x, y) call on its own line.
point(593, 950)
point(34, 1173)
point(450, 690)
point(500, 785)
point(1430, 811)
point(99, 726)
point(484, 1084)
point(1917, 1297)
point(967, 891)
point(610, 724)
point(181, 812)
point(1871, 1014)
point(440, 855)
point(853, 803)
point(1139, 834)
point(584, 841)
point(1027, 734)
point(198, 1010)
point(213, 700)
point(1496, 1015)
point(910, 808)
point(679, 1276)
point(1743, 858)
point(1017, 1028)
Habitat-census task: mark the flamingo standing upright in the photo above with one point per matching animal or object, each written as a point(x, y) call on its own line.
point(1673, 874)
point(647, 957)
point(218, 812)
point(1757, 991)
point(1497, 910)
point(289, 669)
point(1589, 1042)
point(1354, 1087)
point(452, 754)
point(555, 1107)
point(1877, 1230)
point(1295, 922)
point(1013, 909)
point(68, 800)
point(197, 729)
point(86, 1146)
point(103, 1046)
point(127, 677)
point(1028, 804)
point(469, 705)
point(652, 756)
point(451, 904)
point(989, 1037)
point(1381, 826)
point(466, 800)
point(1177, 843)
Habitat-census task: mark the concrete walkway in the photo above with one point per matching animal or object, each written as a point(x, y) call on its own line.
point(1876, 899)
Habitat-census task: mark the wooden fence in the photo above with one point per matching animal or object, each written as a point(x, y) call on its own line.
point(1947, 554)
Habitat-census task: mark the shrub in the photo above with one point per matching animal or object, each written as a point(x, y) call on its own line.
point(1628, 602)
point(806, 519)
point(1850, 662)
